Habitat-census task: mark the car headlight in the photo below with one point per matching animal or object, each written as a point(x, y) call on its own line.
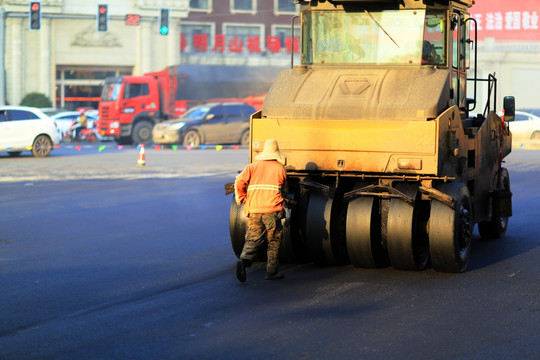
point(115, 125)
point(176, 126)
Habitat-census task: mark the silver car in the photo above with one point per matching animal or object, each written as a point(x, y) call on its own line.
point(212, 123)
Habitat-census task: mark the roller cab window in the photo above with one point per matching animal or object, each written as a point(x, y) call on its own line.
point(404, 37)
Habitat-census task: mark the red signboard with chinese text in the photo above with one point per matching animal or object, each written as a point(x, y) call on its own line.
point(506, 19)
point(251, 44)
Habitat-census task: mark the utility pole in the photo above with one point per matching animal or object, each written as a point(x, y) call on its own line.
point(2, 56)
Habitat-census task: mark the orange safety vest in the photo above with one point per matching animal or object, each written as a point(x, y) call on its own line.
point(259, 187)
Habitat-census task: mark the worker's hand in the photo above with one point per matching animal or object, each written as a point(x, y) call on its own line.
point(229, 188)
point(290, 203)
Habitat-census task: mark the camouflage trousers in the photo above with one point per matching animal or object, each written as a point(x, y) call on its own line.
point(261, 227)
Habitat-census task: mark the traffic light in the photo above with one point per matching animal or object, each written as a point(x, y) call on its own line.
point(102, 17)
point(35, 15)
point(163, 21)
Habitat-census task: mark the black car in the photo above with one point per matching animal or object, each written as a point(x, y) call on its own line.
point(212, 123)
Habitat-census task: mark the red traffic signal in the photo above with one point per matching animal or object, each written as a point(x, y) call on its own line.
point(102, 17)
point(35, 15)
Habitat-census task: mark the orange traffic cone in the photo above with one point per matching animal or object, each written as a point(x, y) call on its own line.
point(142, 157)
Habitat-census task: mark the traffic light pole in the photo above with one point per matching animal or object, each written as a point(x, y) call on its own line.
point(4, 15)
point(2, 57)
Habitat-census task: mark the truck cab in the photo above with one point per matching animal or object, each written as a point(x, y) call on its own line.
point(130, 106)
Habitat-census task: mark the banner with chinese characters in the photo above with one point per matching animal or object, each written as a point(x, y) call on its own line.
point(506, 19)
point(203, 43)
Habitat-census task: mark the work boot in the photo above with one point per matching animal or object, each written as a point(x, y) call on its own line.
point(241, 271)
point(274, 276)
point(247, 262)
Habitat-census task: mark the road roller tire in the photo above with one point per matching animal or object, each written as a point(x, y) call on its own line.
point(450, 230)
point(237, 227)
point(407, 241)
point(290, 250)
point(495, 228)
point(324, 243)
point(363, 234)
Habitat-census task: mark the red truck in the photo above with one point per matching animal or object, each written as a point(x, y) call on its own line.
point(130, 106)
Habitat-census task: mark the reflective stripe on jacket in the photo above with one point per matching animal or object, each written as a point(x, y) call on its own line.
point(259, 187)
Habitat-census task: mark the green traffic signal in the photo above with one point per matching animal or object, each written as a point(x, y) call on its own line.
point(163, 21)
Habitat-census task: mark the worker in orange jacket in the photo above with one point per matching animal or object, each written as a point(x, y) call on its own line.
point(260, 188)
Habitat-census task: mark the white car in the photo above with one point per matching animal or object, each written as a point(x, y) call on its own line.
point(525, 126)
point(27, 128)
point(65, 119)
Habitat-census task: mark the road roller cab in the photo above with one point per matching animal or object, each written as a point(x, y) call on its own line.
point(387, 163)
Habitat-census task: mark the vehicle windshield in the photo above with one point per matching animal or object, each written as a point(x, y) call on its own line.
point(196, 113)
point(111, 91)
point(382, 37)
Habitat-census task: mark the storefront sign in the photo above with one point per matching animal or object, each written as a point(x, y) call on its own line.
point(200, 43)
point(504, 19)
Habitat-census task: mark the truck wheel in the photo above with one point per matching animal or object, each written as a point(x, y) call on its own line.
point(42, 146)
point(450, 230)
point(495, 228)
point(192, 138)
point(142, 133)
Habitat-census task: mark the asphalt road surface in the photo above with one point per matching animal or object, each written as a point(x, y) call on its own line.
point(100, 259)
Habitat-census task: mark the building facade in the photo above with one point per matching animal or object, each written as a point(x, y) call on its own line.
point(240, 32)
point(509, 48)
point(67, 58)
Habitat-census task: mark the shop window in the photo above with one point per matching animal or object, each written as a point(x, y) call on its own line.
point(80, 86)
point(196, 38)
point(243, 39)
point(285, 7)
point(80, 74)
point(288, 43)
point(249, 6)
point(200, 5)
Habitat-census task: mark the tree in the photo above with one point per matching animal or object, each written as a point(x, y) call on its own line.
point(36, 99)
